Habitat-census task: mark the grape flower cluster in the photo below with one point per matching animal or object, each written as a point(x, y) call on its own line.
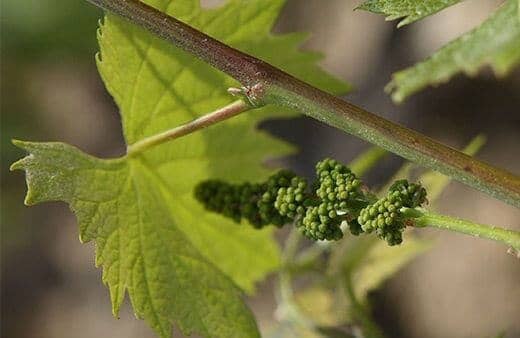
point(338, 193)
point(384, 216)
point(253, 202)
point(338, 199)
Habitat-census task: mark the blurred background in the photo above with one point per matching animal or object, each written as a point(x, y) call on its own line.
point(50, 91)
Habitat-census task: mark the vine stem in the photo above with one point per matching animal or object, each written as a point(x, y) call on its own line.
point(204, 121)
point(430, 219)
point(278, 87)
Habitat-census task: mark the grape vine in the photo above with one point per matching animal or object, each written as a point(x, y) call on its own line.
point(152, 238)
point(265, 84)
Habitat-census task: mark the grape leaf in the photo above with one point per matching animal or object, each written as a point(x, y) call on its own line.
point(320, 303)
point(136, 240)
point(495, 42)
point(407, 10)
point(367, 262)
point(179, 264)
point(382, 262)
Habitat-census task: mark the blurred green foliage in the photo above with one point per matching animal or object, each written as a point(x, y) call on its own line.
point(45, 28)
point(34, 34)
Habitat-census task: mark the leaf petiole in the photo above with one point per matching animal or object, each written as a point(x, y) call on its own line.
point(204, 121)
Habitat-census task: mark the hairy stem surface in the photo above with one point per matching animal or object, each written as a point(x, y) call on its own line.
point(281, 88)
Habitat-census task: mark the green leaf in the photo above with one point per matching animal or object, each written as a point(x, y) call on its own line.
point(318, 302)
point(179, 264)
point(367, 262)
point(360, 265)
point(367, 160)
point(381, 261)
point(137, 242)
point(407, 10)
point(34, 29)
point(496, 42)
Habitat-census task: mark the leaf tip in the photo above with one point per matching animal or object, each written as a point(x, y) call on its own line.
point(28, 146)
point(116, 307)
point(393, 90)
point(98, 58)
point(18, 143)
point(398, 97)
point(480, 139)
point(20, 164)
point(402, 23)
point(30, 199)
